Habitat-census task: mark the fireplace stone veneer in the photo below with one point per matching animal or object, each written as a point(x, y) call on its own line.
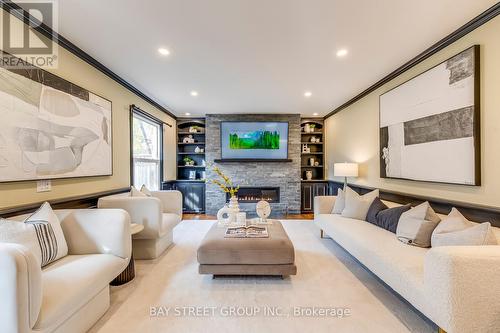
point(284, 175)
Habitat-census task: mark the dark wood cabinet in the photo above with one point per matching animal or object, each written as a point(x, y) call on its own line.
point(193, 194)
point(310, 189)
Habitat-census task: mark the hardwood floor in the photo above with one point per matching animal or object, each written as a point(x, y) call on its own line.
point(309, 216)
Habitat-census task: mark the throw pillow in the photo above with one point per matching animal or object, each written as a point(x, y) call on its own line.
point(339, 205)
point(136, 193)
point(416, 225)
point(478, 234)
point(455, 229)
point(376, 206)
point(388, 219)
point(146, 191)
point(49, 234)
point(356, 206)
point(21, 233)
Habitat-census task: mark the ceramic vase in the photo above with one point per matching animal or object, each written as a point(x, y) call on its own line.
point(309, 174)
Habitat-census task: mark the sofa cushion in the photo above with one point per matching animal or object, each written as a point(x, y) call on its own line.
point(339, 204)
point(388, 219)
point(477, 234)
point(455, 229)
point(376, 206)
point(69, 283)
point(136, 193)
point(49, 234)
point(415, 226)
point(398, 265)
point(356, 206)
point(146, 191)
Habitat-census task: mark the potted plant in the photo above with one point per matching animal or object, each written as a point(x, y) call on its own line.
point(312, 126)
point(188, 161)
point(226, 185)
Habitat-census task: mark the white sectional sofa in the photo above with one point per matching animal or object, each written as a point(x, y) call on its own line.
point(72, 293)
point(158, 213)
point(454, 286)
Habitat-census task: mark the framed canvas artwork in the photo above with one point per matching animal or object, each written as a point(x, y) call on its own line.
point(51, 128)
point(429, 125)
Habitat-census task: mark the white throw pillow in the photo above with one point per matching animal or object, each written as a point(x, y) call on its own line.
point(455, 229)
point(49, 233)
point(339, 205)
point(136, 193)
point(356, 206)
point(146, 191)
point(21, 233)
point(415, 226)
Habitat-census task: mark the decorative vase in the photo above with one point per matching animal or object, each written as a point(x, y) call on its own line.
point(307, 128)
point(311, 161)
point(309, 174)
point(234, 209)
point(197, 150)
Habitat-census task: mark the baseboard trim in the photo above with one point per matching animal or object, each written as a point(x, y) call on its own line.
point(80, 201)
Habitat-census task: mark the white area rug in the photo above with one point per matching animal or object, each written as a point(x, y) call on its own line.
point(327, 278)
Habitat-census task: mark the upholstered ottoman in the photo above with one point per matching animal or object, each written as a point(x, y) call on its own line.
point(274, 255)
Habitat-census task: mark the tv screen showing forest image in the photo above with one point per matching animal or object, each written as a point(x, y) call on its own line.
point(254, 140)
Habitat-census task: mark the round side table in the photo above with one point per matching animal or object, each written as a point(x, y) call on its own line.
point(128, 273)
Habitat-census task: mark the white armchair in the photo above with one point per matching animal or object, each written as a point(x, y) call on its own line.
point(159, 214)
point(72, 293)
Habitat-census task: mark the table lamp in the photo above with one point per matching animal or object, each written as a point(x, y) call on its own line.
point(345, 170)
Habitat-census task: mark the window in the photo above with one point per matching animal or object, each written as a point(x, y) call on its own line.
point(147, 147)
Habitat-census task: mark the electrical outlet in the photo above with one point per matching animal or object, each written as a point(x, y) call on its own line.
point(43, 186)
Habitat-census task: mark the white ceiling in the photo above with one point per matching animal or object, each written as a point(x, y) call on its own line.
point(258, 56)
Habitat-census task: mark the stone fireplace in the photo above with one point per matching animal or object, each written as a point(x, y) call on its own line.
point(285, 176)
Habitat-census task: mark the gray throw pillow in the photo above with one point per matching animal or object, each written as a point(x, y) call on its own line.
point(388, 219)
point(356, 206)
point(416, 225)
point(339, 205)
point(455, 229)
point(376, 206)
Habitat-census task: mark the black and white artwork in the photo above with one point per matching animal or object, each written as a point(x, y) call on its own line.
point(429, 125)
point(51, 128)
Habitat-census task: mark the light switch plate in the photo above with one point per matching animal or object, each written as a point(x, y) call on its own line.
point(43, 186)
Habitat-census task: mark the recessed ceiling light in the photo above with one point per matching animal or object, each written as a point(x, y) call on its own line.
point(342, 53)
point(315, 114)
point(194, 93)
point(187, 114)
point(307, 94)
point(163, 51)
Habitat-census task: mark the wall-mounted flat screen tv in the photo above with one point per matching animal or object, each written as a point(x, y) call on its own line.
point(254, 140)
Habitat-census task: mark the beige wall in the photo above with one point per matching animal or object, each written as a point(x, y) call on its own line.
point(77, 71)
point(352, 134)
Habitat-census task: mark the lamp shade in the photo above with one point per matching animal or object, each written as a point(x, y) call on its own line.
point(345, 169)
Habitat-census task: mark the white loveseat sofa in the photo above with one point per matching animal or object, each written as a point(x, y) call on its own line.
point(72, 293)
point(159, 214)
point(454, 286)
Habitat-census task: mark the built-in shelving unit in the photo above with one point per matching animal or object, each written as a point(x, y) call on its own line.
point(192, 128)
point(312, 153)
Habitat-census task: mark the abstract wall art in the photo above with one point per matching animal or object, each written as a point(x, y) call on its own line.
point(429, 125)
point(51, 128)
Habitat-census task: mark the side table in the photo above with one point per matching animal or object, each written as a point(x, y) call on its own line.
point(128, 273)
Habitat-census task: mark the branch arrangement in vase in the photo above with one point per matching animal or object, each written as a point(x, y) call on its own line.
point(227, 185)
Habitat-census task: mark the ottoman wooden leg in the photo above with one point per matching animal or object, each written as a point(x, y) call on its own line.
point(127, 275)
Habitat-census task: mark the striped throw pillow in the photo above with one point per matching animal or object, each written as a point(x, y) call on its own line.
point(49, 234)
